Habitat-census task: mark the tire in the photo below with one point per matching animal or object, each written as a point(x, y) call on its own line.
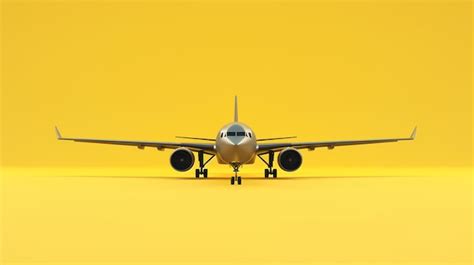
point(267, 172)
point(239, 180)
point(274, 173)
point(197, 172)
point(232, 180)
point(205, 173)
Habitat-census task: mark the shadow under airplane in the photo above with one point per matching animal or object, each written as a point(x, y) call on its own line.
point(249, 178)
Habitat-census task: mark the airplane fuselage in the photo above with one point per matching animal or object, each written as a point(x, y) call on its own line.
point(236, 144)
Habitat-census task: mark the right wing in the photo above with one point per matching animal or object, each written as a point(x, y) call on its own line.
point(196, 147)
point(276, 147)
point(275, 138)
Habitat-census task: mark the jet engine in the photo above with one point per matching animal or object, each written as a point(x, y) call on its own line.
point(182, 159)
point(290, 159)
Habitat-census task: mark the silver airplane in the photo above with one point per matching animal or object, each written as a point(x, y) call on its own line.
point(235, 144)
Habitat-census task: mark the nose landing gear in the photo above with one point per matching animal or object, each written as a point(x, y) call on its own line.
point(201, 170)
point(270, 170)
point(235, 178)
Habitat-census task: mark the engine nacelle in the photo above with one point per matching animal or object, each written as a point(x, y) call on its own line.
point(182, 159)
point(290, 159)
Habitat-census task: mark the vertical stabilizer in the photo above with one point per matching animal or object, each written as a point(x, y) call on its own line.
point(236, 112)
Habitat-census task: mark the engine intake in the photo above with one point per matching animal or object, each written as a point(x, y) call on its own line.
point(290, 159)
point(182, 159)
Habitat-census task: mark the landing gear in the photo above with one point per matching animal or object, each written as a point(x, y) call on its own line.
point(235, 178)
point(270, 171)
point(201, 170)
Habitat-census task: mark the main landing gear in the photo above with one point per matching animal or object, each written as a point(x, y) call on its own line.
point(270, 171)
point(201, 170)
point(235, 178)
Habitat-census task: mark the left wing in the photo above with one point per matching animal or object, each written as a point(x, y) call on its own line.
point(196, 147)
point(276, 147)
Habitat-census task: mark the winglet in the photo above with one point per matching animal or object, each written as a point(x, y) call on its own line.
point(236, 113)
point(58, 133)
point(413, 134)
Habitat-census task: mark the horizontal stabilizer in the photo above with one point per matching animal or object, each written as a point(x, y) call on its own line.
point(196, 138)
point(276, 138)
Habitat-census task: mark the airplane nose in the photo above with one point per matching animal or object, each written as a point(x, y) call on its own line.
point(233, 143)
point(234, 140)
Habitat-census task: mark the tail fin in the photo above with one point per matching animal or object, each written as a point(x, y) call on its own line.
point(236, 112)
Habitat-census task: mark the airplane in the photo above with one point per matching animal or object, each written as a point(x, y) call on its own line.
point(236, 144)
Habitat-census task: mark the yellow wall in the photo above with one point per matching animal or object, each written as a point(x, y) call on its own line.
point(321, 71)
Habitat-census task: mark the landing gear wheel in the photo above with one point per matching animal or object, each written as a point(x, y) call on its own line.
point(201, 170)
point(232, 180)
point(269, 170)
point(239, 180)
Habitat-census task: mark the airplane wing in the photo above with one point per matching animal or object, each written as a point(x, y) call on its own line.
point(206, 148)
point(276, 147)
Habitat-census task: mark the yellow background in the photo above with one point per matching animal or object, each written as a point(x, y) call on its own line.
point(318, 70)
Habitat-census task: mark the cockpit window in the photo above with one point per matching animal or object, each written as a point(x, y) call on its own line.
point(250, 135)
point(235, 133)
point(222, 134)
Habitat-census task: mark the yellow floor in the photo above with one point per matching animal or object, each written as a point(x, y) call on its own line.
point(126, 219)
